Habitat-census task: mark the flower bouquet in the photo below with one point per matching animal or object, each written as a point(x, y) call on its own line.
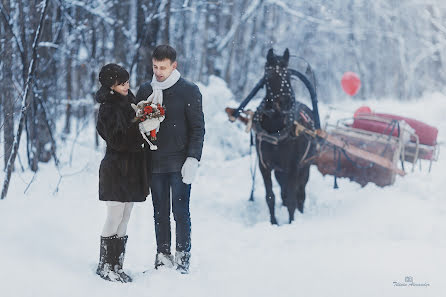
point(150, 116)
point(153, 111)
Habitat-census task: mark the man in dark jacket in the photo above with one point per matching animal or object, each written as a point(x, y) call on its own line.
point(175, 162)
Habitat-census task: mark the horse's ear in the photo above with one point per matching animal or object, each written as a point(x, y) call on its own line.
point(270, 56)
point(286, 55)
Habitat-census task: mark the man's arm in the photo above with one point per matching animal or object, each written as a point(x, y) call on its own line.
point(144, 91)
point(195, 121)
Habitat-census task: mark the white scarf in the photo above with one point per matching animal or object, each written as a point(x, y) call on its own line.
point(158, 87)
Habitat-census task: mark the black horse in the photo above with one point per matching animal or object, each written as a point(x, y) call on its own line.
point(278, 147)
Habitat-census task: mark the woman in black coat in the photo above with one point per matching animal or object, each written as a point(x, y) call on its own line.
point(124, 171)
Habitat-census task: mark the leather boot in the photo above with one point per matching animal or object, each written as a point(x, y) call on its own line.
point(118, 257)
point(182, 260)
point(165, 260)
point(105, 266)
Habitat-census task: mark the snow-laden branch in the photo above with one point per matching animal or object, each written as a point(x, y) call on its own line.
point(293, 12)
point(25, 104)
point(8, 24)
point(99, 11)
point(438, 47)
point(48, 44)
point(435, 23)
point(249, 12)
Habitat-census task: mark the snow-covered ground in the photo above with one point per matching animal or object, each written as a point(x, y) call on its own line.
point(350, 242)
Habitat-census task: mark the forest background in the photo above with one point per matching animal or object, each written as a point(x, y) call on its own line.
point(51, 52)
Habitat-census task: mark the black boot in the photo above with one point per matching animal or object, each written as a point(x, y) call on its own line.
point(163, 259)
point(106, 262)
point(118, 256)
point(182, 260)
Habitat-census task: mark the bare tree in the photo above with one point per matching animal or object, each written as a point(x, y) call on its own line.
point(25, 102)
point(6, 82)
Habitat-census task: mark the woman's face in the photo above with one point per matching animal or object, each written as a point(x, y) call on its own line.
point(122, 89)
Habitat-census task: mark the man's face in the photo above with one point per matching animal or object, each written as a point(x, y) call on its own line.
point(163, 69)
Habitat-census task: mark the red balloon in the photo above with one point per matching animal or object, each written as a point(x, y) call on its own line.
point(350, 83)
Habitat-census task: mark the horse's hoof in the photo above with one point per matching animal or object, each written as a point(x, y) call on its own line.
point(274, 222)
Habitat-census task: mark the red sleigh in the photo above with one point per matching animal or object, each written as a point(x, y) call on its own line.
point(395, 138)
point(422, 145)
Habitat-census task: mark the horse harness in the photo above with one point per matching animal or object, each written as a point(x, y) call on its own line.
point(295, 114)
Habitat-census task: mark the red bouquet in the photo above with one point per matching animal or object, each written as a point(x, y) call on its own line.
point(152, 111)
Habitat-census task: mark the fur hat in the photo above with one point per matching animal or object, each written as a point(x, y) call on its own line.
point(111, 74)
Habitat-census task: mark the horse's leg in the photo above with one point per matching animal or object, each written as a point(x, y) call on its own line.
point(292, 188)
point(304, 174)
point(270, 199)
point(282, 180)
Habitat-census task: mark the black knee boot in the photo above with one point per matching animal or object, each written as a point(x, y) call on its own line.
point(119, 254)
point(106, 263)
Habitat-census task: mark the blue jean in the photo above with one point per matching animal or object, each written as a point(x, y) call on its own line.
point(162, 184)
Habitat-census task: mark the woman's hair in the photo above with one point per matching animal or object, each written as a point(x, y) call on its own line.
point(112, 74)
point(164, 51)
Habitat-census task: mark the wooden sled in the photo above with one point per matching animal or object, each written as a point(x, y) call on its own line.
point(376, 161)
point(421, 143)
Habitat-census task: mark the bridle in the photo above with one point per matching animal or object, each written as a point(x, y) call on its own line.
point(289, 116)
point(285, 86)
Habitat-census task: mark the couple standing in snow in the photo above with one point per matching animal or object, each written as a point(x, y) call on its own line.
point(129, 170)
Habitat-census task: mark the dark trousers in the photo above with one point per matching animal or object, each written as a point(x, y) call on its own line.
point(162, 185)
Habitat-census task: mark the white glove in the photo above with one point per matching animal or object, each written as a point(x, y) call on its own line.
point(149, 125)
point(189, 170)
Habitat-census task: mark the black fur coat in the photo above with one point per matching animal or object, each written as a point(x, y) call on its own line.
point(124, 174)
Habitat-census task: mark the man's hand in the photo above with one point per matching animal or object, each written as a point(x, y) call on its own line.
point(189, 170)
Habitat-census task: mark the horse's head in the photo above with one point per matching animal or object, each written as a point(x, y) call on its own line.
point(278, 86)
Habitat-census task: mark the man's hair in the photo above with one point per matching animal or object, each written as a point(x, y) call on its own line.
point(164, 51)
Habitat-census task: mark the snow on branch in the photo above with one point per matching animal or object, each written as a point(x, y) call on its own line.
point(8, 24)
point(249, 12)
point(291, 11)
point(435, 23)
point(98, 11)
point(48, 44)
point(186, 3)
point(438, 47)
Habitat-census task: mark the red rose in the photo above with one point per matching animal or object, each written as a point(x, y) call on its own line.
point(153, 134)
point(148, 109)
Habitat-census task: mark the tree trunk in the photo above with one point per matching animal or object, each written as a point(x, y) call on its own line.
point(25, 103)
point(166, 36)
point(68, 83)
point(7, 93)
